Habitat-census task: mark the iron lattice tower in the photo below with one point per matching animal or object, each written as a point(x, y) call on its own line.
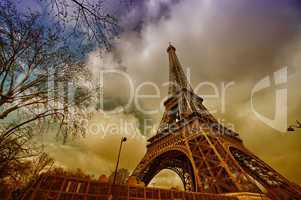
point(206, 155)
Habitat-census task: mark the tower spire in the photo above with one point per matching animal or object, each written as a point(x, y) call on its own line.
point(177, 77)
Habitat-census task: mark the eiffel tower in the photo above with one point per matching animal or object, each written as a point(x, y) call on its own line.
point(207, 156)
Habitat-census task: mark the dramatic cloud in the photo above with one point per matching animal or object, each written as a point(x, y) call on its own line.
point(220, 42)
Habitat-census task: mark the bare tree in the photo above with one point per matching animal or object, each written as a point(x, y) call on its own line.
point(31, 57)
point(88, 17)
point(34, 61)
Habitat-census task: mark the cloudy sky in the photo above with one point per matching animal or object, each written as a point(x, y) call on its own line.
point(218, 42)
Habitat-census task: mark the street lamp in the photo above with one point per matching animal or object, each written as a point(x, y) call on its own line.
point(123, 139)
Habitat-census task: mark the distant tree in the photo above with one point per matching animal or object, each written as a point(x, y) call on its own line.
point(121, 176)
point(16, 174)
point(58, 171)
